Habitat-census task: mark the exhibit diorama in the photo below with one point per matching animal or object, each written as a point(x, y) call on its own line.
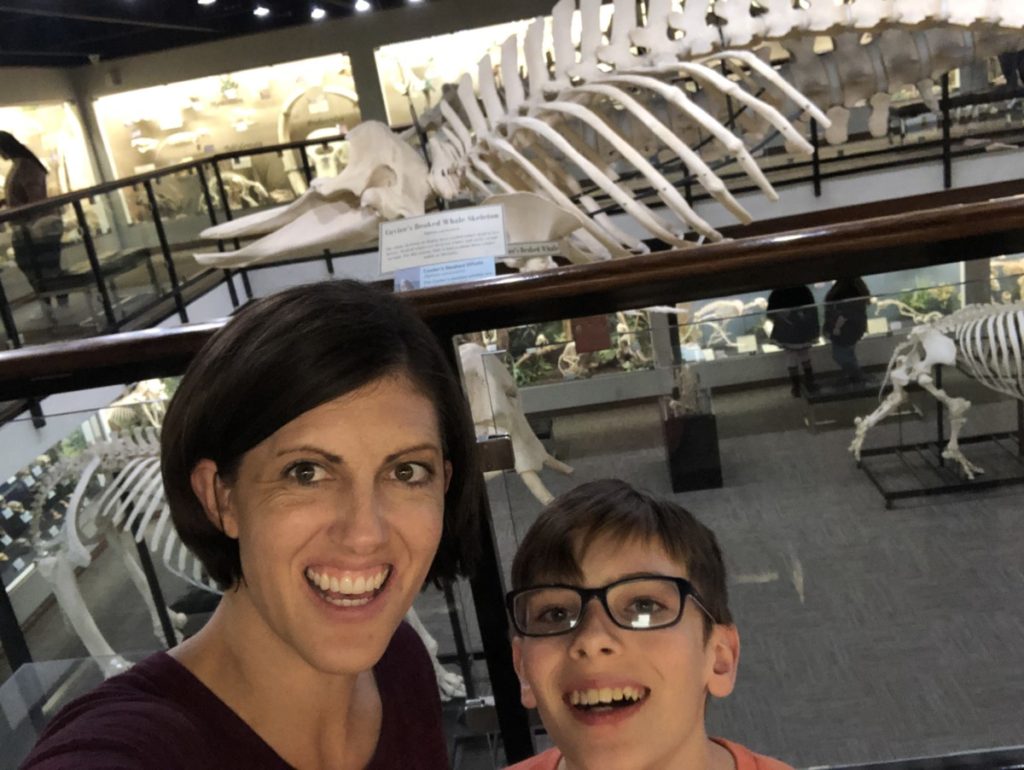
point(856, 443)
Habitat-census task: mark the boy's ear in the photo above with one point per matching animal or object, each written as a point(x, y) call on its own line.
point(215, 497)
point(526, 695)
point(723, 650)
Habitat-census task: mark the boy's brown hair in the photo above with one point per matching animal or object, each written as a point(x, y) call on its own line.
point(571, 522)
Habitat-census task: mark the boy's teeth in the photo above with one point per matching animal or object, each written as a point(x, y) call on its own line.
point(604, 695)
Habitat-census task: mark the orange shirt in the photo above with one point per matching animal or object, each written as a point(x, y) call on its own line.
point(745, 759)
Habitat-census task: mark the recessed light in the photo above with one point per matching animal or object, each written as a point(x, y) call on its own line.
point(261, 11)
point(362, 6)
point(415, 2)
point(317, 13)
point(206, 2)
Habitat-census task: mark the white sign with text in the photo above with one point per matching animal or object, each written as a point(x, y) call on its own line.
point(444, 236)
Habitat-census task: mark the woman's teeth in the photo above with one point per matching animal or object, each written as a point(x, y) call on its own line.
point(606, 696)
point(347, 591)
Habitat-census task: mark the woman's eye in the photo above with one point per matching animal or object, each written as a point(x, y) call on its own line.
point(412, 473)
point(306, 472)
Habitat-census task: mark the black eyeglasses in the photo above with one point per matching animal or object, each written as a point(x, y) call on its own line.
point(636, 604)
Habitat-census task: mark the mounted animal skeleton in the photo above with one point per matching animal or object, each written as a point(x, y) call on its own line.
point(986, 341)
point(118, 496)
point(687, 89)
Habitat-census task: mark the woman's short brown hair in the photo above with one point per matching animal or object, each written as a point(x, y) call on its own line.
point(285, 354)
point(573, 521)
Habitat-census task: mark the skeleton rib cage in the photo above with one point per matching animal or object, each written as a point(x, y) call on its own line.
point(989, 341)
point(627, 88)
point(131, 502)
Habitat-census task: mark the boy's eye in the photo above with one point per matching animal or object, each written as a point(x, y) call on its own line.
point(645, 605)
point(306, 472)
point(412, 473)
point(552, 616)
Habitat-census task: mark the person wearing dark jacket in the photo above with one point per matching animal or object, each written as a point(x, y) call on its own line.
point(846, 321)
point(795, 327)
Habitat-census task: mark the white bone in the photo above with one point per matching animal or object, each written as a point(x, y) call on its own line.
point(985, 339)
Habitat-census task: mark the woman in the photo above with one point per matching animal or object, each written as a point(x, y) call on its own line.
point(36, 237)
point(318, 458)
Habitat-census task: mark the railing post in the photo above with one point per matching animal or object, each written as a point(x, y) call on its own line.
point(488, 591)
point(815, 159)
point(947, 141)
point(94, 262)
point(10, 327)
point(15, 647)
point(211, 210)
point(172, 272)
point(307, 170)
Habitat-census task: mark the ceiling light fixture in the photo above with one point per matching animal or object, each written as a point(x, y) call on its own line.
point(206, 2)
point(362, 6)
point(415, 2)
point(261, 11)
point(317, 13)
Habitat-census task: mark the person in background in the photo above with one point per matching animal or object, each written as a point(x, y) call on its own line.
point(846, 321)
point(795, 327)
point(36, 237)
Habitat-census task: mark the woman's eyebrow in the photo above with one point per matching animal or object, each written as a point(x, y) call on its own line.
point(307, 448)
point(427, 445)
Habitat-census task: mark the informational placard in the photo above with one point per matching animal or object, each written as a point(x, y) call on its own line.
point(878, 325)
point(444, 273)
point(746, 343)
point(533, 249)
point(445, 236)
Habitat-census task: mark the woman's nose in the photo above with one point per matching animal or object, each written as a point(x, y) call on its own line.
point(360, 522)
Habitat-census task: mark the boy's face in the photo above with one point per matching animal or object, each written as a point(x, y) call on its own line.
point(672, 668)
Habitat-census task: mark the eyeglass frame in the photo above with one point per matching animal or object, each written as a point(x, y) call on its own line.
point(684, 586)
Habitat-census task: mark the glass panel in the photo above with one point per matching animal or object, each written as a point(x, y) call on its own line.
point(824, 582)
point(47, 279)
point(128, 248)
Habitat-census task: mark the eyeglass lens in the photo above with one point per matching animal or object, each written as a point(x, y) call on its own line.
point(637, 604)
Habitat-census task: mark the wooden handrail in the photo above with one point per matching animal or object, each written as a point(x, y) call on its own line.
point(883, 244)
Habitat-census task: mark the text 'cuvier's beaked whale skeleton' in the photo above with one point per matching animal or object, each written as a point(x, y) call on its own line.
point(687, 87)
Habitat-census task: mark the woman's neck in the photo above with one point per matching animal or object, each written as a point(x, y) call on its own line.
point(309, 717)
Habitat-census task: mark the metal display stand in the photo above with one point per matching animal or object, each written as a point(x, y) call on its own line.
point(929, 474)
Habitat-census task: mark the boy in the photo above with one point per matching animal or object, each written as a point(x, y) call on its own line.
point(621, 683)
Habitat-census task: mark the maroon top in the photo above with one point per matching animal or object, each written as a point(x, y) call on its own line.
point(158, 715)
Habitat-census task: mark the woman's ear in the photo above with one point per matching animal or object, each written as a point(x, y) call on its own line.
point(215, 497)
point(723, 650)
point(526, 695)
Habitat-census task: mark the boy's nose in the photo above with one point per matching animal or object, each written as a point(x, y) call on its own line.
point(596, 634)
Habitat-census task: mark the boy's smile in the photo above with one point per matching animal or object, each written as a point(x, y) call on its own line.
point(617, 698)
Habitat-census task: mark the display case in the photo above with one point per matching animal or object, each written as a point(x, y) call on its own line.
point(165, 125)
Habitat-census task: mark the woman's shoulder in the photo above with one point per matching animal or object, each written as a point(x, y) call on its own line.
point(157, 714)
point(119, 724)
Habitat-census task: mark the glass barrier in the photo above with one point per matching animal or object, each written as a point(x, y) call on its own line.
point(48, 281)
point(853, 618)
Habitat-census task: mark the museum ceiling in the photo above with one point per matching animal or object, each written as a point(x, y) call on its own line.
point(67, 33)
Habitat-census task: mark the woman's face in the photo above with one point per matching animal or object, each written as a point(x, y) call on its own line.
point(338, 515)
